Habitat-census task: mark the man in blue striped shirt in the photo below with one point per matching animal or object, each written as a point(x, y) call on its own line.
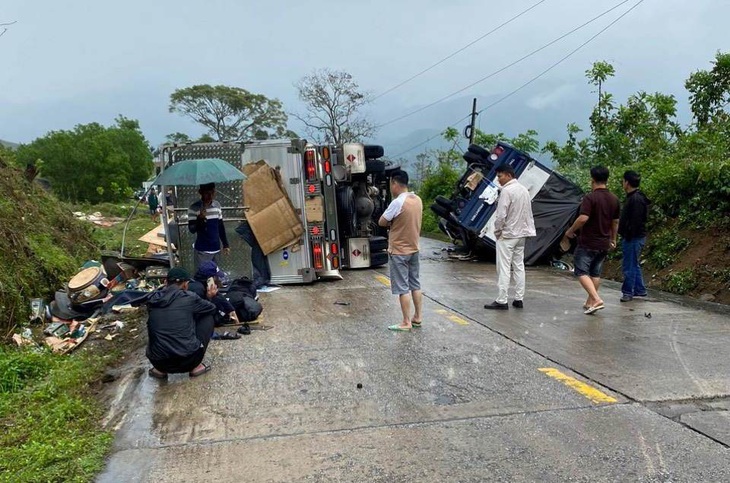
point(205, 219)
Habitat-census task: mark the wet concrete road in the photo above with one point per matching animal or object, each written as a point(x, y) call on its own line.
point(541, 394)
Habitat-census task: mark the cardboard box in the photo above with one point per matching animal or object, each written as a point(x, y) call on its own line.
point(473, 180)
point(270, 214)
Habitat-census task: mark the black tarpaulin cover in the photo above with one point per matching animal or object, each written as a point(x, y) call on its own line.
point(554, 208)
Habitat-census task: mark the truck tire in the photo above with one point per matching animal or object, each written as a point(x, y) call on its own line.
point(378, 244)
point(374, 151)
point(346, 210)
point(445, 202)
point(440, 210)
point(479, 151)
point(472, 158)
point(374, 166)
point(378, 259)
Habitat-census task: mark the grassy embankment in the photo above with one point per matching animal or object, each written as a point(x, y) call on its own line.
point(49, 415)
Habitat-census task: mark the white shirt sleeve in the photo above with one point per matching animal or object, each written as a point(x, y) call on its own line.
point(395, 207)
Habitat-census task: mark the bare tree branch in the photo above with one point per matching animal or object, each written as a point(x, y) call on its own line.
point(333, 100)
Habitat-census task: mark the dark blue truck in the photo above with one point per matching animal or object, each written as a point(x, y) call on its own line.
point(466, 217)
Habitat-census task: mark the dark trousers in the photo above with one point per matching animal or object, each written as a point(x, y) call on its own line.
point(179, 364)
point(261, 270)
point(633, 279)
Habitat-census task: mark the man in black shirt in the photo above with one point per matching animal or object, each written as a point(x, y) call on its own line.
point(180, 325)
point(632, 228)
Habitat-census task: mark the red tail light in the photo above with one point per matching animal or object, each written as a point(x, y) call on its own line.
point(333, 249)
point(311, 168)
point(497, 152)
point(327, 167)
point(318, 256)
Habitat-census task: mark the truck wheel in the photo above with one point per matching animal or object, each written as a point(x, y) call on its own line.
point(346, 210)
point(479, 151)
point(374, 166)
point(378, 244)
point(440, 210)
point(445, 202)
point(378, 259)
point(374, 151)
point(472, 158)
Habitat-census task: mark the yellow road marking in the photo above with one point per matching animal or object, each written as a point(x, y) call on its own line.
point(454, 318)
point(588, 391)
point(383, 279)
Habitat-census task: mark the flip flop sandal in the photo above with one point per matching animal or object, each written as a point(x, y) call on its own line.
point(594, 309)
point(156, 374)
point(229, 336)
point(398, 328)
point(416, 325)
point(206, 368)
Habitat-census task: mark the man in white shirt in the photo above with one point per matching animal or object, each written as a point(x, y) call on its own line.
point(513, 223)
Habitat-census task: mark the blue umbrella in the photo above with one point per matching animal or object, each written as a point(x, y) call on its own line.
point(199, 171)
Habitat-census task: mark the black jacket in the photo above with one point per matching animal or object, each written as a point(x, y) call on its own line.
point(173, 313)
point(632, 223)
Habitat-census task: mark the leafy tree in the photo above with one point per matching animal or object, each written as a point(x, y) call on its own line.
point(710, 91)
point(178, 138)
point(333, 107)
point(229, 113)
point(92, 162)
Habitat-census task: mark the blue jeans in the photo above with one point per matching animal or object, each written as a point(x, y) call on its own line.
point(633, 279)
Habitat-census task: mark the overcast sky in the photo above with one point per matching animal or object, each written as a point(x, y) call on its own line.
point(72, 62)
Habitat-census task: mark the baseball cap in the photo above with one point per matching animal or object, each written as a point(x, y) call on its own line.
point(210, 269)
point(178, 274)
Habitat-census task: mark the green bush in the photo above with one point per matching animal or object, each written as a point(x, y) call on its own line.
point(664, 247)
point(681, 282)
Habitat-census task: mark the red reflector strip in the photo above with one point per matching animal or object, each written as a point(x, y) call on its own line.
point(318, 259)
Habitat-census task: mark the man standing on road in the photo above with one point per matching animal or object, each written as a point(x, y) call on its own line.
point(598, 225)
point(404, 216)
point(513, 223)
point(632, 228)
point(180, 325)
point(205, 219)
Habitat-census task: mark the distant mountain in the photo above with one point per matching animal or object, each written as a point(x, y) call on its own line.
point(8, 144)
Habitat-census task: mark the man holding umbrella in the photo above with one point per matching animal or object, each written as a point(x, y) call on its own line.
point(205, 219)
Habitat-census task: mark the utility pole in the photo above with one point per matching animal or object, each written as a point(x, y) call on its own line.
point(470, 130)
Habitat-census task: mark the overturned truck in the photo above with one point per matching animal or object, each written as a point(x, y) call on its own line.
point(328, 198)
point(467, 216)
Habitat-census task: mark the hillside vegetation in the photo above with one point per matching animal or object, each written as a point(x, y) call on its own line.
point(43, 245)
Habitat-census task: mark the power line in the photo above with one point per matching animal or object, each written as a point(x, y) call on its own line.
point(453, 124)
point(534, 78)
point(561, 60)
point(457, 52)
point(503, 68)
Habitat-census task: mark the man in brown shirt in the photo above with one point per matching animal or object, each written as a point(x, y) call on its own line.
point(598, 225)
point(403, 215)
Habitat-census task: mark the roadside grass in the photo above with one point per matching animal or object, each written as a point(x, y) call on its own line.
point(49, 419)
point(110, 238)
